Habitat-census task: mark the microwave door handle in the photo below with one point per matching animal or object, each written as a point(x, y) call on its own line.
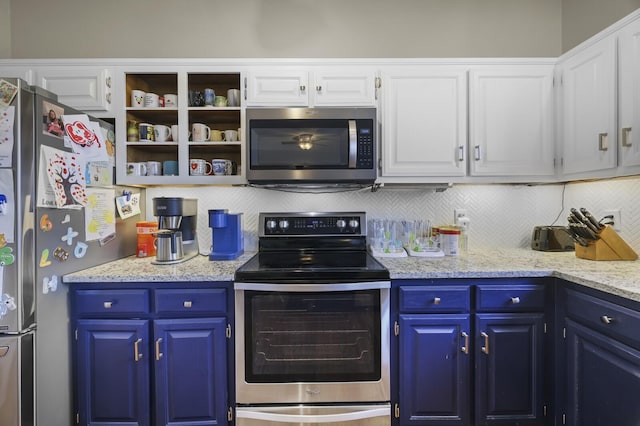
point(313, 419)
point(353, 144)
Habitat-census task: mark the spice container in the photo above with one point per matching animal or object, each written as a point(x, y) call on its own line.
point(450, 240)
point(146, 239)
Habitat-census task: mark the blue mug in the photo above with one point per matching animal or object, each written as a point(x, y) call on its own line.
point(209, 97)
point(170, 168)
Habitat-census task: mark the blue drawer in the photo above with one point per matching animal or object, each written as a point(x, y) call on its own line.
point(417, 299)
point(111, 303)
point(210, 301)
point(510, 298)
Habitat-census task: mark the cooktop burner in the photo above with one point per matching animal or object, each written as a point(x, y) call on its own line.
point(297, 247)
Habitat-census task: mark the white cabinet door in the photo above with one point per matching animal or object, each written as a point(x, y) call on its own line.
point(344, 88)
point(511, 121)
point(10, 69)
point(629, 97)
point(277, 87)
point(588, 96)
point(424, 121)
point(83, 88)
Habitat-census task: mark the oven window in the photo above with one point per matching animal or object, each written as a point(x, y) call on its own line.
point(312, 337)
point(299, 144)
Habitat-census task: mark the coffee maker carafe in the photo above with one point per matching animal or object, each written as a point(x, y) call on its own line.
point(177, 221)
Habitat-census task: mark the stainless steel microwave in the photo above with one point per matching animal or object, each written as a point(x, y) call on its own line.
point(294, 146)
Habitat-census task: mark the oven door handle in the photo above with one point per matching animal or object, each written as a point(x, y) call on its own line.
point(312, 418)
point(369, 285)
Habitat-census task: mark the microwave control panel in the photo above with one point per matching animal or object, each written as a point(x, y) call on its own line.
point(365, 148)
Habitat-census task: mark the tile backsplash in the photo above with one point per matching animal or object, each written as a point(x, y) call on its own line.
point(501, 216)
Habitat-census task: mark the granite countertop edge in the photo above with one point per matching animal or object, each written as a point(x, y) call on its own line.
point(621, 278)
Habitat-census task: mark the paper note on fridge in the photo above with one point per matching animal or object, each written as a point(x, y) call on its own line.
point(61, 179)
point(99, 214)
point(85, 137)
point(7, 115)
point(7, 207)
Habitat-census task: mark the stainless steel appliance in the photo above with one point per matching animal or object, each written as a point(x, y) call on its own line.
point(311, 146)
point(312, 324)
point(177, 222)
point(38, 245)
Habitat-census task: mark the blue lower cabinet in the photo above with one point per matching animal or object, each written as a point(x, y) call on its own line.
point(509, 373)
point(435, 363)
point(190, 371)
point(113, 372)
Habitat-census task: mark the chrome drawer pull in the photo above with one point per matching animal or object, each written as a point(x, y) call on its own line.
point(137, 356)
point(107, 305)
point(158, 353)
point(606, 319)
point(187, 303)
point(436, 300)
point(485, 348)
point(465, 348)
point(515, 300)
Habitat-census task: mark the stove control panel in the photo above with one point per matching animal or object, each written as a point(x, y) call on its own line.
point(312, 224)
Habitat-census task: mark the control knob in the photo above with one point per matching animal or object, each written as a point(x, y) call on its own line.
point(340, 223)
point(353, 223)
point(271, 224)
point(283, 224)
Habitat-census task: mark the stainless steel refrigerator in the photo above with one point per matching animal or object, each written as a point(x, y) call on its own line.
point(45, 233)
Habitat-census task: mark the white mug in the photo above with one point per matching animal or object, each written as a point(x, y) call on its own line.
point(230, 135)
point(199, 167)
point(154, 168)
point(174, 133)
point(137, 98)
point(200, 132)
point(170, 100)
point(233, 97)
point(136, 169)
point(162, 132)
point(151, 100)
point(221, 166)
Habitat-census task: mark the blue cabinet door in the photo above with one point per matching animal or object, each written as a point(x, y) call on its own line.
point(509, 369)
point(190, 371)
point(435, 364)
point(603, 380)
point(113, 372)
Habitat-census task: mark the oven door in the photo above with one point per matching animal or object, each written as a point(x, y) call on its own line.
point(312, 343)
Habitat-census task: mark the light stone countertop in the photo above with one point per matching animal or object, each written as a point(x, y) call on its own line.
point(616, 277)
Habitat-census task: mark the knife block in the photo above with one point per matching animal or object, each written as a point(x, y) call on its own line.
point(610, 246)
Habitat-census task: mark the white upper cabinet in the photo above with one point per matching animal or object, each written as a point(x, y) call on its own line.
point(424, 122)
point(511, 120)
point(81, 87)
point(282, 86)
point(588, 82)
point(629, 97)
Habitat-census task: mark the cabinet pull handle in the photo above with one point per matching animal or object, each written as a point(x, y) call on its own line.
point(108, 81)
point(108, 98)
point(603, 141)
point(318, 89)
point(606, 319)
point(303, 88)
point(461, 153)
point(476, 150)
point(107, 305)
point(187, 303)
point(436, 300)
point(485, 348)
point(626, 136)
point(137, 356)
point(515, 300)
point(465, 348)
point(245, 88)
point(158, 353)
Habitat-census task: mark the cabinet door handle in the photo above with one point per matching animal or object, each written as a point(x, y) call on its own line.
point(485, 348)
point(477, 152)
point(461, 153)
point(303, 88)
point(436, 300)
point(603, 141)
point(107, 305)
point(318, 89)
point(626, 136)
point(606, 319)
point(158, 353)
point(465, 348)
point(137, 355)
point(187, 304)
point(515, 300)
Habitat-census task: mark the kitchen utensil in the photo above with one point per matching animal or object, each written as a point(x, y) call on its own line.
point(587, 215)
point(168, 245)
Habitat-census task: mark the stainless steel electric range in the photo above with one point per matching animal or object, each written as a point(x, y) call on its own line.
point(312, 324)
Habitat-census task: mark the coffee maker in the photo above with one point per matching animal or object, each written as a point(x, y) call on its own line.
point(177, 221)
point(226, 239)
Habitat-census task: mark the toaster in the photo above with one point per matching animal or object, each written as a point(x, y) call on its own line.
point(551, 238)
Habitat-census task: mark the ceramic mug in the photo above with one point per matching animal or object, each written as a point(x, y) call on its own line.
point(209, 97)
point(154, 168)
point(174, 133)
point(151, 100)
point(221, 166)
point(233, 97)
point(221, 101)
point(200, 132)
point(146, 132)
point(137, 98)
point(216, 135)
point(136, 169)
point(170, 168)
point(199, 167)
point(161, 132)
point(170, 100)
point(230, 135)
